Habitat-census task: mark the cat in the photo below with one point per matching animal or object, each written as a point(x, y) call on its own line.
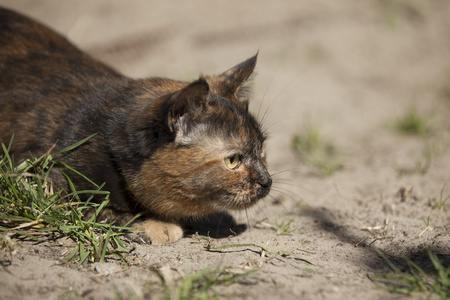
point(171, 148)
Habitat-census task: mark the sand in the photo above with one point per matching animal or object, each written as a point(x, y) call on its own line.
point(348, 69)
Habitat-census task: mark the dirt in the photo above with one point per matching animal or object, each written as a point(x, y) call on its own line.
point(351, 69)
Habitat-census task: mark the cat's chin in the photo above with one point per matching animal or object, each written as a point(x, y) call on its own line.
point(240, 203)
point(201, 207)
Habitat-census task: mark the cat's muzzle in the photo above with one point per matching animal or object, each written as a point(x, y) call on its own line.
point(264, 183)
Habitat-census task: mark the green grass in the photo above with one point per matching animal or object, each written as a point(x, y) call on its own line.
point(415, 280)
point(205, 283)
point(412, 123)
point(201, 284)
point(285, 226)
point(440, 203)
point(31, 208)
point(427, 225)
point(311, 148)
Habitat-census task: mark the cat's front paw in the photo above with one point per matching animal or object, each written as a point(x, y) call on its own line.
point(157, 232)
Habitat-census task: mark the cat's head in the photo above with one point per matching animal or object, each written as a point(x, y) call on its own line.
point(216, 157)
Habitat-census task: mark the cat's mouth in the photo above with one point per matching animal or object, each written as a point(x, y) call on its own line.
point(247, 198)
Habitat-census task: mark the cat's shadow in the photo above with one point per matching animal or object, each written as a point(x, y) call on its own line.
point(219, 225)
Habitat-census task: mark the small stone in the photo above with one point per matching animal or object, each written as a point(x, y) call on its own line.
point(106, 268)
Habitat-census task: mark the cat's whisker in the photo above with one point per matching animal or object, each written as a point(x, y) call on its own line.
point(248, 220)
point(289, 195)
point(266, 127)
point(262, 205)
point(280, 180)
point(288, 186)
point(259, 210)
point(280, 202)
point(298, 187)
point(290, 183)
point(287, 171)
point(270, 106)
point(266, 92)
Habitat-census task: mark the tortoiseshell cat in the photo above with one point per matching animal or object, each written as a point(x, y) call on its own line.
point(175, 149)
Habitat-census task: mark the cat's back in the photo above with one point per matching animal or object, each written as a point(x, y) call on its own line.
point(21, 36)
point(46, 84)
point(32, 53)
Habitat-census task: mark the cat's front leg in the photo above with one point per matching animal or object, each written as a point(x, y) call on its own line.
point(157, 232)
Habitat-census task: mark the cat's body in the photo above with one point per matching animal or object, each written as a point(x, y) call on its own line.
point(176, 149)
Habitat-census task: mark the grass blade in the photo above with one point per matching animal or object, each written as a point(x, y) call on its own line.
point(76, 145)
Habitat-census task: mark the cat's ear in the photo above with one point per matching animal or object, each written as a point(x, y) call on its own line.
point(232, 81)
point(187, 104)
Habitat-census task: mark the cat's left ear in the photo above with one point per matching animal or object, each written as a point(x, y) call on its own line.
point(187, 105)
point(232, 82)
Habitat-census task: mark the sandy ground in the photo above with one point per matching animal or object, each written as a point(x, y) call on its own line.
point(348, 68)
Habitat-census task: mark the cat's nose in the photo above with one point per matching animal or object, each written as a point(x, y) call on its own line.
point(265, 181)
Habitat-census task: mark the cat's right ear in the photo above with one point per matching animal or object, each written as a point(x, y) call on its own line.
point(233, 79)
point(187, 104)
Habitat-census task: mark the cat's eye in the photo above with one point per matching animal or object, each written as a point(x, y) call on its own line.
point(233, 161)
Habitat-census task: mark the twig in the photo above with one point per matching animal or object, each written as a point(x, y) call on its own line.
point(219, 249)
point(32, 223)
